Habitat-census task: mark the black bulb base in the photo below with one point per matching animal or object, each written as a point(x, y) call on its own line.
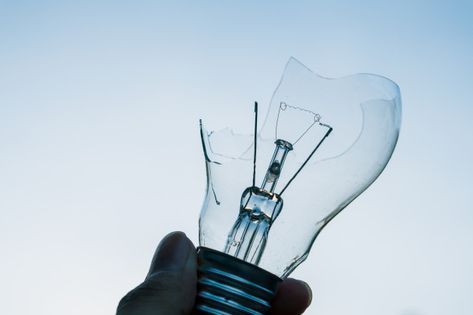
point(230, 286)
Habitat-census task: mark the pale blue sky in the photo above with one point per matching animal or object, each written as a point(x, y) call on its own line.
point(100, 155)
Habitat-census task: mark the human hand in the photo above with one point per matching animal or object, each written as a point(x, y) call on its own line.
point(171, 285)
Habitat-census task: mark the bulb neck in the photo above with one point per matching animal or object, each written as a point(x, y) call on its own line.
point(230, 286)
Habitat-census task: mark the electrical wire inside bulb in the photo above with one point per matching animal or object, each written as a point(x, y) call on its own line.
point(260, 206)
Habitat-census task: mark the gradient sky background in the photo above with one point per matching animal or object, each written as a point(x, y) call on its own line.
point(100, 153)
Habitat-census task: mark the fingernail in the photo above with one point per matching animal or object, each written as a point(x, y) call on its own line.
point(171, 254)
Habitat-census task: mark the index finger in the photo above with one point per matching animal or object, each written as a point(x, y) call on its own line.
point(292, 298)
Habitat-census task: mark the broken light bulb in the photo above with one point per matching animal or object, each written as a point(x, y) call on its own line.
point(322, 142)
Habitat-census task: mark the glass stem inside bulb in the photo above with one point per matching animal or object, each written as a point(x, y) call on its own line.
point(275, 166)
point(258, 209)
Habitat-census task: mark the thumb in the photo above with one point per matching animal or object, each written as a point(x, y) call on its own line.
point(170, 286)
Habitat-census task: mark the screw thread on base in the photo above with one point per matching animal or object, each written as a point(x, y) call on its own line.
point(230, 286)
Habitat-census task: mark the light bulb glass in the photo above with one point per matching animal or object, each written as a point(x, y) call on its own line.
point(353, 123)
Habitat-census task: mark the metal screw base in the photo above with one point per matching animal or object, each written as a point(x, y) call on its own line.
point(230, 286)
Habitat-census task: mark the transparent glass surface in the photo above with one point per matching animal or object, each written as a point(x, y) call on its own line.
point(353, 123)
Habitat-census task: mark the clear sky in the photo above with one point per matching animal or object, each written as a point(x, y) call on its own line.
point(100, 153)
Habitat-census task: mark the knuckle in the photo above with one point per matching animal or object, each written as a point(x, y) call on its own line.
point(158, 290)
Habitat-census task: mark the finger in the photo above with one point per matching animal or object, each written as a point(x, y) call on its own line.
point(292, 298)
point(170, 286)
